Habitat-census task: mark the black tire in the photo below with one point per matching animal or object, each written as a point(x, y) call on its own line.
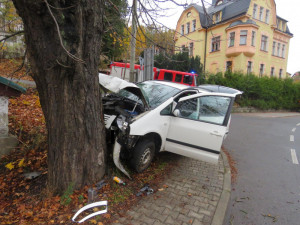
point(143, 155)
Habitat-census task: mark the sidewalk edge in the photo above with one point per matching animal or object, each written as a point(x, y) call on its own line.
point(220, 212)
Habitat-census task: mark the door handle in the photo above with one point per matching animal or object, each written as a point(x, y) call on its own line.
point(216, 134)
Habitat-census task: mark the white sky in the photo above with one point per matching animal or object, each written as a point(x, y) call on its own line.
point(287, 9)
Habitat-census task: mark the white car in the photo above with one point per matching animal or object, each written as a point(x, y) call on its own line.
point(154, 116)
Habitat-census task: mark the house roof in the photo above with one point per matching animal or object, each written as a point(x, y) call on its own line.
point(12, 85)
point(230, 9)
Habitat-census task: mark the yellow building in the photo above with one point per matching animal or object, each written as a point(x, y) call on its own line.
point(236, 35)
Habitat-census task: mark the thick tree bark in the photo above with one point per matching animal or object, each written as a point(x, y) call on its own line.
point(68, 89)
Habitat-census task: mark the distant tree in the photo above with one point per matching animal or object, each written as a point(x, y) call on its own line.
point(161, 38)
point(11, 30)
point(114, 29)
point(141, 43)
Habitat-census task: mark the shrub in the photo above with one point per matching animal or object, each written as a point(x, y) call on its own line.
point(263, 93)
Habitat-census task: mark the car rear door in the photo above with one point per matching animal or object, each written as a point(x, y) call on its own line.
point(199, 127)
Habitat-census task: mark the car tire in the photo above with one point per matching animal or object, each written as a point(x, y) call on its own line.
point(143, 155)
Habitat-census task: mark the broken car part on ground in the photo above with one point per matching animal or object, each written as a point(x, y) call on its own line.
point(152, 116)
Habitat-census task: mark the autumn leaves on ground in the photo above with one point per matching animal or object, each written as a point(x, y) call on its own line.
point(27, 201)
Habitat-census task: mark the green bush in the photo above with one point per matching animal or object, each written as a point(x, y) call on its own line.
point(262, 93)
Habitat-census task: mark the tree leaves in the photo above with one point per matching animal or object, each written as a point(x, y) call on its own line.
point(9, 166)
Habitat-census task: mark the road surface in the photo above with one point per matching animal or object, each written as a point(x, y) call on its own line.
point(266, 148)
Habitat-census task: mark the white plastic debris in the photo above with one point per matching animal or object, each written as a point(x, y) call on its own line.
point(89, 206)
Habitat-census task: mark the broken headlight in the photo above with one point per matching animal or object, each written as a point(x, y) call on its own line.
point(121, 122)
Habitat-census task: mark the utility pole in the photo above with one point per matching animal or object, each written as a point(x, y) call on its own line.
point(133, 41)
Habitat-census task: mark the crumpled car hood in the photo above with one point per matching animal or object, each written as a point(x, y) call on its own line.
point(115, 84)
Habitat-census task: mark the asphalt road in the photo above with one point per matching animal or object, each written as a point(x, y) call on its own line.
point(267, 189)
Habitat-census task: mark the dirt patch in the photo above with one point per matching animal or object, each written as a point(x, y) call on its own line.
point(232, 165)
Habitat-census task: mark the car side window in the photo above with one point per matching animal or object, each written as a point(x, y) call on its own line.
point(168, 76)
point(211, 109)
point(167, 111)
point(187, 79)
point(178, 78)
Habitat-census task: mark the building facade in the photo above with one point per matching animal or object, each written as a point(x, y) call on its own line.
point(236, 35)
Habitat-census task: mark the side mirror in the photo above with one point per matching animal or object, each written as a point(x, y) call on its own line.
point(176, 112)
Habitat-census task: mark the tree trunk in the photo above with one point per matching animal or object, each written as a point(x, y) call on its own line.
point(68, 88)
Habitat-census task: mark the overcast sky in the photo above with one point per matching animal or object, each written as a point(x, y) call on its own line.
point(287, 9)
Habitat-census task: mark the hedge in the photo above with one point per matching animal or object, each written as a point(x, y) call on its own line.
point(262, 93)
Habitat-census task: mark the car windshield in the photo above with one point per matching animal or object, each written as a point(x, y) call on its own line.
point(154, 93)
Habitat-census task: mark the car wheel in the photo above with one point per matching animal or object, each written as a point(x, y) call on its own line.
point(143, 155)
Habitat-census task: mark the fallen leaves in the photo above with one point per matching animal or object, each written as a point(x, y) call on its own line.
point(274, 218)
point(10, 166)
point(9, 66)
point(26, 200)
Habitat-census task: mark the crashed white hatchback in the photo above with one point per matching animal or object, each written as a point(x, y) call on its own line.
point(154, 116)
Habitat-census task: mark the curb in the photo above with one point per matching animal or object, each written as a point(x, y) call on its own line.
point(220, 212)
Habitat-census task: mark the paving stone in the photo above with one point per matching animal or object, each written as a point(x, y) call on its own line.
point(196, 215)
point(170, 220)
point(194, 189)
point(197, 222)
point(183, 218)
point(159, 216)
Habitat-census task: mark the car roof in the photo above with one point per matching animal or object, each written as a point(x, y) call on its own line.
point(219, 89)
point(201, 88)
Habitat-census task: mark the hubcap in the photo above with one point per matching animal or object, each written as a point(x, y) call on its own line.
point(146, 157)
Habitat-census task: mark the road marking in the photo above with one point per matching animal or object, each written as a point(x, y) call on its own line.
point(291, 137)
point(294, 129)
point(298, 124)
point(294, 156)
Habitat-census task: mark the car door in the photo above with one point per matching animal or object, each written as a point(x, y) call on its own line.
point(199, 125)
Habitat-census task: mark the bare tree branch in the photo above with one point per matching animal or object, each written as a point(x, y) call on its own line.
point(12, 35)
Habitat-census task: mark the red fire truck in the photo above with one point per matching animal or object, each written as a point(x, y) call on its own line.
point(121, 70)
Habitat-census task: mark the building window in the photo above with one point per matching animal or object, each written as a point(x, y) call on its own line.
point(249, 67)
point(283, 51)
point(280, 73)
point(194, 25)
point(273, 48)
point(191, 49)
point(278, 49)
point(264, 43)
point(182, 29)
point(261, 12)
point(188, 14)
point(243, 37)
point(254, 11)
point(215, 44)
point(182, 48)
point(283, 26)
point(261, 70)
point(267, 16)
point(253, 38)
point(188, 28)
point(272, 71)
point(217, 17)
point(278, 23)
point(231, 39)
point(229, 66)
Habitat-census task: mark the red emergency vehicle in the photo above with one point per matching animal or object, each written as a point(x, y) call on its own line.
point(121, 70)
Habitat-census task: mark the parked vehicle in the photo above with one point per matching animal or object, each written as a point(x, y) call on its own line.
point(154, 116)
point(122, 70)
point(176, 76)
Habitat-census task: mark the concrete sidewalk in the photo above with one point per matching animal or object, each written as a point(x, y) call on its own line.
point(192, 197)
